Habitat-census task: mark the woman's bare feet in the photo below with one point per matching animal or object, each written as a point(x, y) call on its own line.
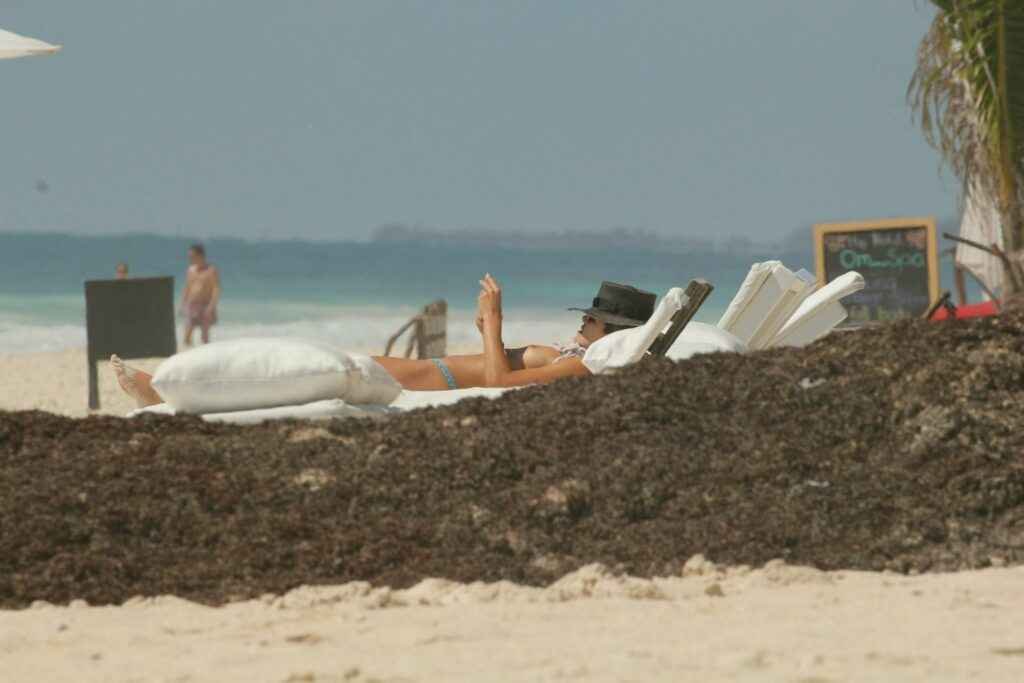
point(135, 383)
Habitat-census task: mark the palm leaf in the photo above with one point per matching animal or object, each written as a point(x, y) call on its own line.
point(968, 90)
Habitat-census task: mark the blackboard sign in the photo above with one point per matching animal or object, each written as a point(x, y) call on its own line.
point(898, 259)
point(133, 318)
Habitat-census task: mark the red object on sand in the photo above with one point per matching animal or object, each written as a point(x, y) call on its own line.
point(978, 310)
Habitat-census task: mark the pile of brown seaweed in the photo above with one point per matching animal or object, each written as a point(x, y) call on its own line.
point(900, 447)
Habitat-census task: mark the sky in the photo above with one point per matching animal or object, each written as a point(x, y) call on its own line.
point(323, 119)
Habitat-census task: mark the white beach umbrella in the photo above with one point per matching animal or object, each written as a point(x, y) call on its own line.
point(983, 224)
point(12, 45)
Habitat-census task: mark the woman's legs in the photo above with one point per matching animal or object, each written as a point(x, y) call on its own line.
point(135, 383)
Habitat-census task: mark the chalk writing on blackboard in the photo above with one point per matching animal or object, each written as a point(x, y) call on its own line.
point(896, 257)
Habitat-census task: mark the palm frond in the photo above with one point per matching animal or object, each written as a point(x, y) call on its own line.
point(968, 92)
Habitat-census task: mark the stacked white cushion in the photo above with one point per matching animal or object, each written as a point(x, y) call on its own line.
point(626, 347)
point(819, 312)
point(246, 374)
point(411, 400)
point(768, 297)
point(704, 338)
point(318, 410)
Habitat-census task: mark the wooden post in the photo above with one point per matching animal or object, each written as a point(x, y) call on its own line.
point(432, 332)
point(94, 384)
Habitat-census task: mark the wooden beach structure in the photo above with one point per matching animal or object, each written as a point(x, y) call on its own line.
point(428, 332)
point(133, 318)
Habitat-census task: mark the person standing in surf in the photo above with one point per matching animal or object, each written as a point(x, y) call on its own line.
point(201, 294)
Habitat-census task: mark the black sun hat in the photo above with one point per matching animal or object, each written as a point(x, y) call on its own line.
point(619, 304)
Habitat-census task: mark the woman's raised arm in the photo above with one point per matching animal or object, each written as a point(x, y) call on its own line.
point(497, 371)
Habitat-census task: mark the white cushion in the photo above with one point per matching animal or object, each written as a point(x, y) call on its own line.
point(244, 374)
point(156, 409)
point(626, 347)
point(406, 401)
point(704, 338)
point(757, 274)
point(318, 410)
point(765, 301)
point(820, 312)
point(411, 400)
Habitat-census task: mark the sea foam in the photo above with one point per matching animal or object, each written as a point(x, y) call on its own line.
point(364, 329)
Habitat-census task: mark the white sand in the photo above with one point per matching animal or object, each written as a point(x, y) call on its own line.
point(58, 382)
point(777, 623)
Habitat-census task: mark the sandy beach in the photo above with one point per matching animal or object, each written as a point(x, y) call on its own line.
point(777, 623)
point(58, 382)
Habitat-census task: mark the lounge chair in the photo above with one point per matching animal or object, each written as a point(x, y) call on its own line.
point(819, 312)
point(655, 337)
point(767, 299)
point(665, 326)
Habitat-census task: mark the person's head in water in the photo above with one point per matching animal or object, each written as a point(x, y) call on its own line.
point(616, 307)
point(197, 255)
point(122, 271)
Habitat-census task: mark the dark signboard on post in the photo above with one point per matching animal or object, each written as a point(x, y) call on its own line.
point(133, 318)
point(898, 259)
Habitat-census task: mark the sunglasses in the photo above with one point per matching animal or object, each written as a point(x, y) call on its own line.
point(589, 319)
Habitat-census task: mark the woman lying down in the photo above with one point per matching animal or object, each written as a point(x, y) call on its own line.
point(616, 307)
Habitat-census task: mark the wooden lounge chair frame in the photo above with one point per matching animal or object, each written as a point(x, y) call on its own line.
point(430, 332)
point(944, 301)
point(696, 294)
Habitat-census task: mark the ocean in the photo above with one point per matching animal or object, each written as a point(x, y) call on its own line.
point(356, 294)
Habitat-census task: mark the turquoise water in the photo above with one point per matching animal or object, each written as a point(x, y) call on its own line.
point(352, 294)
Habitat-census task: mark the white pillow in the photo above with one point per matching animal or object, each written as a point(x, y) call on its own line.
point(626, 347)
point(245, 374)
point(704, 338)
